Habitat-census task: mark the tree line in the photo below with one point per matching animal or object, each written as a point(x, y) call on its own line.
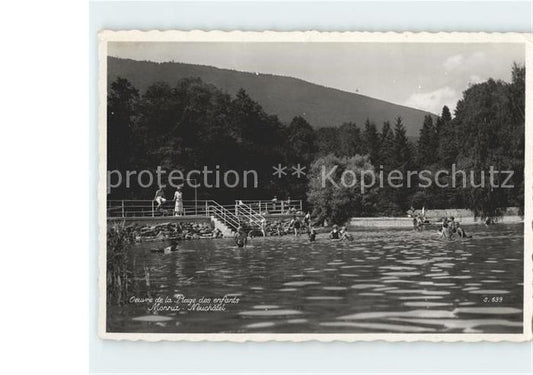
point(194, 124)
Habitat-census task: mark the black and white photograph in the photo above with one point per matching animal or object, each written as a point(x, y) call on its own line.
point(314, 186)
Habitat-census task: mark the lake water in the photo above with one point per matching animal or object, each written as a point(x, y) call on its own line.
point(384, 281)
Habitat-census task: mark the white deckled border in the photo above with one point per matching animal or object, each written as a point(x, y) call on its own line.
point(314, 37)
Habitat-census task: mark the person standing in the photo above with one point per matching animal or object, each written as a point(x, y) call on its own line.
point(274, 201)
point(295, 223)
point(241, 237)
point(307, 220)
point(178, 199)
point(263, 226)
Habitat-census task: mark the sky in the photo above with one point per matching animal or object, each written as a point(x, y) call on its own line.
point(426, 76)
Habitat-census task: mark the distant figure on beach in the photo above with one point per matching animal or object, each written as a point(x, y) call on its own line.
point(178, 199)
point(159, 197)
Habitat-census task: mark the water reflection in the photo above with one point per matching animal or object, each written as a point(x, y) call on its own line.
point(386, 281)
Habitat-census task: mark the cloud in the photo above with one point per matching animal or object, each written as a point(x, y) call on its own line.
point(433, 101)
point(474, 78)
point(462, 62)
point(453, 62)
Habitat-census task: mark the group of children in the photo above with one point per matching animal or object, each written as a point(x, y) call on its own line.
point(340, 234)
point(295, 225)
point(450, 227)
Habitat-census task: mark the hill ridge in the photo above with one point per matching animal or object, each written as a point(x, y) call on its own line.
point(284, 96)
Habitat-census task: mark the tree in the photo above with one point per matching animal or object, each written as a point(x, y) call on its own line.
point(328, 140)
point(121, 112)
point(401, 149)
point(301, 140)
point(427, 143)
point(301, 148)
point(386, 150)
point(349, 137)
point(341, 199)
point(194, 125)
point(371, 142)
point(402, 162)
point(446, 114)
point(490, 127)
point(447, 141)
point(120, 115)
point(516, 132)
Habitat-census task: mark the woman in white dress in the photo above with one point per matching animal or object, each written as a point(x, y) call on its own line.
point(178, 199)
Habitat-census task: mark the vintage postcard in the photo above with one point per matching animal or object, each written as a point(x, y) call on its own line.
point(301, 186)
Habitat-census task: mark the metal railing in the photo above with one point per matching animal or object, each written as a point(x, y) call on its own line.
point(243, 210)
point(223, 214)
point(149, 208)
point(273, 206)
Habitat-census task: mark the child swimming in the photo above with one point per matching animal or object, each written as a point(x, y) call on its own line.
point(445, 230)
point(461, 232)
point(334, 234)
point(311, 234)
point(241, 238)
point(344, 235)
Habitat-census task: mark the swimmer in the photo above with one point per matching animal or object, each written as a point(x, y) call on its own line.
point(417, 223)
point(344, 235)
point(461, 232)
point(241, 238)
point(453, 224)
point(312, 234)
point(445, 230)
point(334, 234)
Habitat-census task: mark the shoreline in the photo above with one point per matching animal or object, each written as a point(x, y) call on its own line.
point(407, 222)
point(354, 222)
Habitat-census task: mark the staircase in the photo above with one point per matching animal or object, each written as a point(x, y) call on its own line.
point(223, 228)
point(228, 222)
point(246, 212)
point(223, 219)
